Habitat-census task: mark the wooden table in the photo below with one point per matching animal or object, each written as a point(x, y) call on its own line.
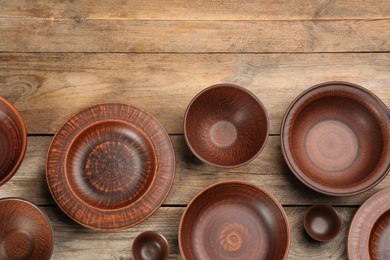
point(56, 58)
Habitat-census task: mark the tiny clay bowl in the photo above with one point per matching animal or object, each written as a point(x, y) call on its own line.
point(322, 222)
point(369, 232)
point(234, 220)
point(150, 245)
point(335, 137)
point(13, 140)
point(110, 166)
point(226, 126)
point(25, 231)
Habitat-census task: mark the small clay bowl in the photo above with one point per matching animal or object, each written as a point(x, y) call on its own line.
point(322, 222)
point(150, 245)
point(234, 220)
point(25, 231)
point(335, 137)
point(226, 126)
point(13, 140)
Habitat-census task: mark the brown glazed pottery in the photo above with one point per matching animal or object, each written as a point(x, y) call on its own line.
point(335, 137)
point(322, 222)
point(110, 166)
point(226, 126)
point(25, 231)
point(13, 140)
point(369, 231)
point(234, 220)
point(150, 245)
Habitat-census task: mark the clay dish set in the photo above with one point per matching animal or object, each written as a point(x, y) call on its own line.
point(110, 166)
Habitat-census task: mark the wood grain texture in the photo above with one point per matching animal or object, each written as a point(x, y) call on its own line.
point(268, 170)
point(199, 10)
point(46, 35)
point(48, 88)
point(73, 241)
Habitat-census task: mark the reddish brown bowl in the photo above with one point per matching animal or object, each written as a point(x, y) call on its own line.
point(226, 125)
point(13, 140)
point(110, 166)
point(150, 245)
point(335, 138)
point(369, 231)
point(234, 220)
point(322, 222)
point(25, 231)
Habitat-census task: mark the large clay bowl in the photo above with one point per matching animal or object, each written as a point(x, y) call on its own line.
point(234, 220)
point(110, 166)
point(25, 231)
point(369, 231)
point(226, 126)
point(335, 138)
point(13, 140)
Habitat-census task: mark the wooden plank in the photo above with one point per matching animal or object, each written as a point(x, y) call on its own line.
point(199, 10)
point(49, 88)
point(73, 241)
point(47, 35)
point(268, 170)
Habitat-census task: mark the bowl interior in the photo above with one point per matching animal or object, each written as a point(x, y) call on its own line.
point(336, 139)
point(234, 220)
point(25, 231)
point(111, 164)
point(150, 245)
point(379, 237)
point(13, 140)
point(226, 126)
point(322, 222)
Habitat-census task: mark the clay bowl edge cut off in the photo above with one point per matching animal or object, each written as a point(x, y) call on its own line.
point(13, 140)
point(25, 231)
point(110, 166)
point(335, 138)
point(226, 125)
point(234, 220)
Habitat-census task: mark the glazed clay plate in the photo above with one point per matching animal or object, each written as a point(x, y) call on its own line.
point(234, 220)
point(369, 232)
point(110, 166)
point(25, 231)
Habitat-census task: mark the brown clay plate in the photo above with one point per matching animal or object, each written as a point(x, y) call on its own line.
point(369, 232)
point(25, 231)
point(110, 166)
point(234, 220)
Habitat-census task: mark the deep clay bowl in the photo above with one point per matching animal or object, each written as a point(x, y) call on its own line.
point(369, 232)
point(110, 166)
point(322, 222)
point(150, 245)
point(234, 220)
point(13, 140)
point(226, 125)
point(335, 137)
point(25, 231)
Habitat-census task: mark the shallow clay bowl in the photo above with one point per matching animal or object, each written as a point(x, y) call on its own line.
point(335, 138)
point(150, 245)
point(13, 140)
point(234, 220)
point(25, 231)
point(110, 166)
point(369, 231)
point(226, 126)
point(322, 222)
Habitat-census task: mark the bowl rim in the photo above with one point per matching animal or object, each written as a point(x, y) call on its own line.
point(230, 85)
point(151, 232)
point(32, 204)
point(234, 182)
point(333, 210)
point(24, 141)
point(108, 210)
point(287, 153)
